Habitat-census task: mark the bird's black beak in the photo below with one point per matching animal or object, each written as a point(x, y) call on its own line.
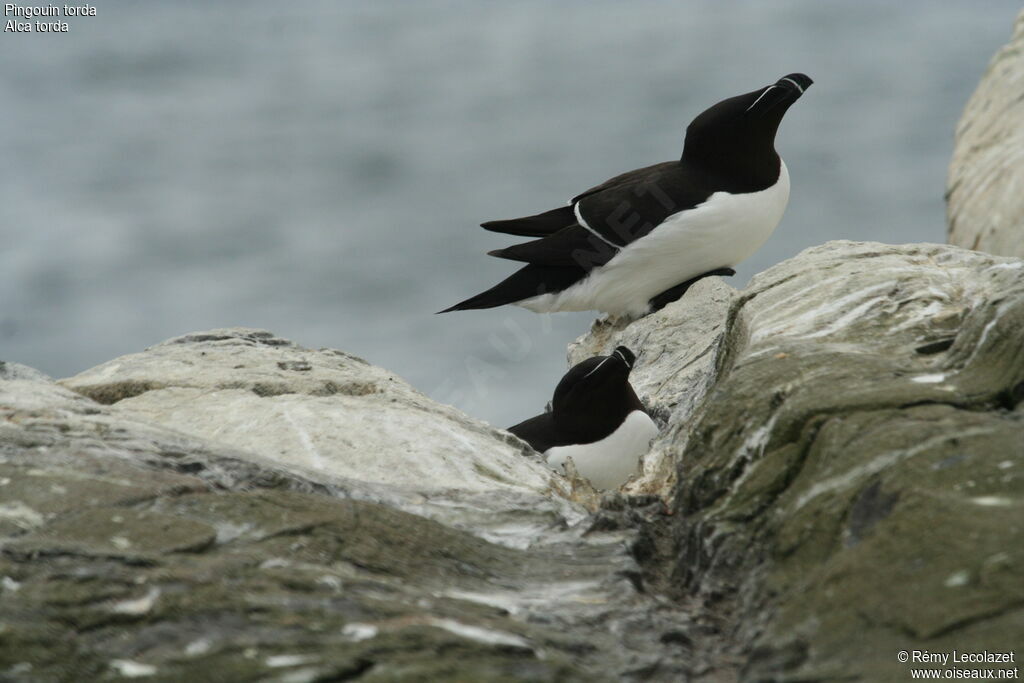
point(784, 91)
point(625, 355)
point(798, 82)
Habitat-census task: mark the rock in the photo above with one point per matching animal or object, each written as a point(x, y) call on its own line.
point(131, 549)
point(18, 371)
point(986, 179)
point(853, 482)
point(841, 454)
point(323, 411)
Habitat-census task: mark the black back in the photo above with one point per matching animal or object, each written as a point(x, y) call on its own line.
point(590, 402)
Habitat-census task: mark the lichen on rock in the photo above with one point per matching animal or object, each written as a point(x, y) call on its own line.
point(853, 482)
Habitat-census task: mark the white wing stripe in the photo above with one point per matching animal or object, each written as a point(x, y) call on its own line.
point(579, 219)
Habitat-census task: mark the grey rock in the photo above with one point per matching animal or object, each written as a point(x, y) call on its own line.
point(10, 371)
point(323, 411)
point(849, 437)
point(331, 417)
point(986, 178)
point(853, 483)
point(841, 455)
point(130, 549)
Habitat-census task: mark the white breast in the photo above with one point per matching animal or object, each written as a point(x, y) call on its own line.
point(608, 463)
point(723, 231)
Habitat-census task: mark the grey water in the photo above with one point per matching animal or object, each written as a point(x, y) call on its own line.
point(319, 168)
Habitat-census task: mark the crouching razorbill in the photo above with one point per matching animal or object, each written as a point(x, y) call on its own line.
point(596, 419)
point(637, 241)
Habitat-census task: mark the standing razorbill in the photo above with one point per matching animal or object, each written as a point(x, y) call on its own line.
point(637, 241)
point(597, 419)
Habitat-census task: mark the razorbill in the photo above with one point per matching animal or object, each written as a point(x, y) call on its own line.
point(597, 419)
point(637, 241)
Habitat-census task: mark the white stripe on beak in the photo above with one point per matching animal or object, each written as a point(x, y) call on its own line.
point(795, 84)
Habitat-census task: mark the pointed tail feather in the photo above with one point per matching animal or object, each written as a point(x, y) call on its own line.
point(541, 225)
point(525, 283)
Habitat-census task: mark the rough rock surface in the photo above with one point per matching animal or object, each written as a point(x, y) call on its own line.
point(321, 410)
point(857, 476)
point(130, 549)
point(843, 450)
point(986, 176)
point(853, 483)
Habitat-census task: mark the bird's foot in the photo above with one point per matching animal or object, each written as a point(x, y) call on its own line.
point(675, 293)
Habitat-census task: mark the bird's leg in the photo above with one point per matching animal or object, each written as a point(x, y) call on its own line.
point(675, 293)
point(613, 321)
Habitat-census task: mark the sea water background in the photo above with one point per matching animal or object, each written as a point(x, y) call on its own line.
point(319, 168)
